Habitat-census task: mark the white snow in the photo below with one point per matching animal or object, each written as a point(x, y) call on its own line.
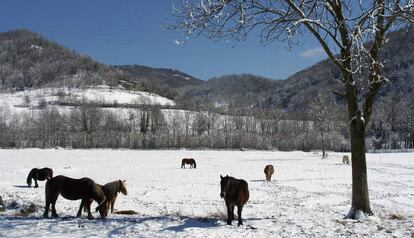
point(16, 101)
point(308, 197)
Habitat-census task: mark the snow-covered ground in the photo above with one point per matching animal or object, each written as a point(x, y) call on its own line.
point(307, 198)
point(22, 101)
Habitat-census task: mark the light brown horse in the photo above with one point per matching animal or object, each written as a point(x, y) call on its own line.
point(111, 191)
point(269, 170)
point(235, 193)
point(189, 161)
point(345, 159)
point(75, 189)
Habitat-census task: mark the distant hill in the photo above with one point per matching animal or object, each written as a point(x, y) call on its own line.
point(166, 77)
point(243, 89)
point(294, 93)
point(29, 60)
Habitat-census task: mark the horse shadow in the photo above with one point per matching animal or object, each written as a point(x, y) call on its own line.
point(193, 223)
point(257, 180)
point(21, 186)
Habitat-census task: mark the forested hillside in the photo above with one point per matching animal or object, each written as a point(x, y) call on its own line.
point(56, 97)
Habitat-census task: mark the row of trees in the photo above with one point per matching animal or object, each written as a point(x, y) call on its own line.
point(89, 126)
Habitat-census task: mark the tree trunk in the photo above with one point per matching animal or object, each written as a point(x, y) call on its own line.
point(360, 197)
point(323, 145)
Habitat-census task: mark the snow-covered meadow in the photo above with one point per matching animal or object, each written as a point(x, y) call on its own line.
point(307, 198)
point(24, 101)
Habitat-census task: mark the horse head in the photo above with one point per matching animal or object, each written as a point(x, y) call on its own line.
point(29, 181)
point(29, 178)
point(224, 184)
point(122, 187)
point(103, 208)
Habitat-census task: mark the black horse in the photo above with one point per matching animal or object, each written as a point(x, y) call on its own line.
point(39, 174)
point(189, 161)
point(235, 193)
point(74, 189)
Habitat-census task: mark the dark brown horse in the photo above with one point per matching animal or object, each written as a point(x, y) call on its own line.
point(111, 191)
point(189, 161)
point(235, 193)
point(269, 170)
point(75, 189)
point(39, 174)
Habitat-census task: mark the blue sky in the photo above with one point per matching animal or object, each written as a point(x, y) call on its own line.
point(133, 32)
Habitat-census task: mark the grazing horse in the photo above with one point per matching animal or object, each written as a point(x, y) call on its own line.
point(235, 193)
point(345, 159)
point(189, 161)
point(111, 191)
point(75, 189)
point(39, 174)
point(269, 170)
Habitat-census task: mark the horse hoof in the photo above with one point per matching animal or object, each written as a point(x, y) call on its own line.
point(91, 218)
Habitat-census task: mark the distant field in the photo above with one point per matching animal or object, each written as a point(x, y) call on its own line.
point(307, 198)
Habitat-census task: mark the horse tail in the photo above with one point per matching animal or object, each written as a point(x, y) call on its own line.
point(47, 189)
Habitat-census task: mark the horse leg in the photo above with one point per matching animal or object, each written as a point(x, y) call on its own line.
point(46, 213)
point(229, 215)
point(88, 207)
point(112, 205)
point(239, 212)
point(232, 213)
point(54, 199)
point(80, 208)
point(35, 179)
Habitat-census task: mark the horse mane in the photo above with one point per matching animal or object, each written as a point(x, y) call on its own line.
point(110, 189)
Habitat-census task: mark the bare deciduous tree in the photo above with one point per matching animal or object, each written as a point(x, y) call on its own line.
point(352, 33)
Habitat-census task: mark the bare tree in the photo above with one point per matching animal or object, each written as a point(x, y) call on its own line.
point(352, 33)
point(322, 112)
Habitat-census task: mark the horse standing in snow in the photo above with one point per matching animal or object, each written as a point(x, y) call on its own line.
point(111, 191)
point(269, 170)
point(235, 193)
point(345, 159)
point(39, 174)
point(189, 161)
point(75, 189)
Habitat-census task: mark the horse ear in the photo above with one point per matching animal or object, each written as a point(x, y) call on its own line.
point(221, 176)
point(124, 180)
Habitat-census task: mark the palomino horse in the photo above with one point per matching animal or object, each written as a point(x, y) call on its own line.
point(39, 174)
point(269, 170)
point(189, 161)
point(235, 193)
point(345, 159)
point(75, 189)
point(111, 191)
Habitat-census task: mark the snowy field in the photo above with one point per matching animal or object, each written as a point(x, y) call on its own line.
point(307, 198)
point(16, 101)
